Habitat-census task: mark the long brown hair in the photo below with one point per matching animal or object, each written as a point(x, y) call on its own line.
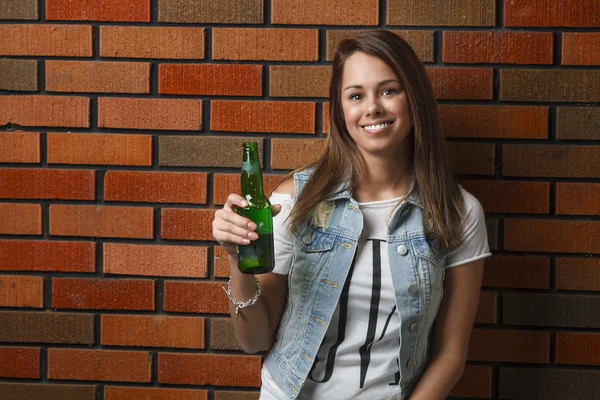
point(341, 161)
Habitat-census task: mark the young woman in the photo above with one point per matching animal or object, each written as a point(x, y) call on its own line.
point(379, 252)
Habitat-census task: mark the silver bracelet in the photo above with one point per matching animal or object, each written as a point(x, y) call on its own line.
point(241, 304)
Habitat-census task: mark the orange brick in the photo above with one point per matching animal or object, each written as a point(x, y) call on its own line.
point(19, 147)
point(47, 255)
point(221, 263)
point(552, 236)
point(578, 348)
point(30, 183)
point(21, 291)
point(472, 158)
point(41, 110)
point(51, 40)
point(580, 48)
point(299, 81)
point(20, 219)
point(195, 297)
point(578, 274)
point(304, 12)
point(497, 47)
point(293, 153)
point(138, 393)
point(522, 272)
point(475, 382)
point(103, 294)
point(498, 122)
point(486, 312)
point(262, 116)
point(20, 362)
point(441, 13)
point(505, 345)
point(263, 44)
point(187, 224)
point(461, 83)
point(101, 221)
point(169, 114)
point(550, 161)
point(552, 13)
point(152, 42)
point(152, 331)
point(577, 198)
point(209, 369)
point(99, 365)
point(97, 76)
point(94, 10)
point(224, 184)
point(155, 260)
point(155, 187)
point(210, 79)
point(105, 149)
point(511, 197)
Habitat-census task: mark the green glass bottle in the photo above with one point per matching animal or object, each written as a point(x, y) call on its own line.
point(258, 257)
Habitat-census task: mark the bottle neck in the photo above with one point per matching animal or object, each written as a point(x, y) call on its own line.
point(252, 182)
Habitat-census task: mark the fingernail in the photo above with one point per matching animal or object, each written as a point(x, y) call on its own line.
point(244, 202)
point(252, 235)
point(251, 225)
point(245, 241)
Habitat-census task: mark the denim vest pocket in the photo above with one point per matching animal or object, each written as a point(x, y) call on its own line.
point(316, 238)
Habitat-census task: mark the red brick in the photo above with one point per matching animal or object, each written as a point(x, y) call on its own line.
point(551, 161)
point(195, 297)
point(94, 10)
point(138, 393)
point(521, 272)
point(63, 184)
point(475, 382)
point(42, 110)
point(497, 122)
point(472, 158)
point(101, 221)
point(552, 13)
point(578, 274)
point(20, 362)
point(152, 42)
point(209, 369)
point(210, 79)
point(577, 198)
point(21, 291)
point(262, 116)
point(441, 13)
point(461, 83)
point(152, 331)
point(221, 263)
point(497, 47)
point(299, 81)
point(47, 255)
point(486, 313)
point(293, 153)
point(552, 236)
point(105, 149)
point(187, 224)
point(264, 44)
point(330, 12)
point(97, 76)
point(103, 294)
point(578, 348)
point(505, 345)
point(19, 147)
point(162, 114)
point(224, 184)
point(20, 219)
point(580, 48)
point(50, 40)
point(511, 197)
point(155, 187)
point(99, 365)
point(155, 260)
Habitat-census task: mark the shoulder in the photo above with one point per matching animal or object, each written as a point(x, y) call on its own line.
point(471, 203)
point(285, 187)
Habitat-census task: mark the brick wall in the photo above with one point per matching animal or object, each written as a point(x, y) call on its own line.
point(120, 129)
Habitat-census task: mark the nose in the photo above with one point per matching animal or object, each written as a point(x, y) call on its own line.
point(373, 106)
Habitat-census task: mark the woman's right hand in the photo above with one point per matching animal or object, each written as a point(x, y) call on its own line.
point(230, 228)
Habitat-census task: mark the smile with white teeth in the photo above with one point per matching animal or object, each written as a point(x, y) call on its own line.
point(376, 127)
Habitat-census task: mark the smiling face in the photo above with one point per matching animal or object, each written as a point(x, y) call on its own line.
point(375, 106)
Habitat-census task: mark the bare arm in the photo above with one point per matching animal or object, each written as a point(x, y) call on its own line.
point(451, 332)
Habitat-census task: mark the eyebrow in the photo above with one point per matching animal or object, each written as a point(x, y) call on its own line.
point(380, 84)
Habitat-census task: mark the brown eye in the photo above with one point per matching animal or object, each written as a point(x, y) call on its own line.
point(355, 96)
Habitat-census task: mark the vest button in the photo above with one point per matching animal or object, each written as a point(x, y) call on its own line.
point(413, 327)
point(410, 364)
point(402, 250)
point(412, 289)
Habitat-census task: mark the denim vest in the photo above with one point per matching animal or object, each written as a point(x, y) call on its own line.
point(323, 252)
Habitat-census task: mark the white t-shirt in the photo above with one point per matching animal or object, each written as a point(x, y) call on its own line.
point(358, 358)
